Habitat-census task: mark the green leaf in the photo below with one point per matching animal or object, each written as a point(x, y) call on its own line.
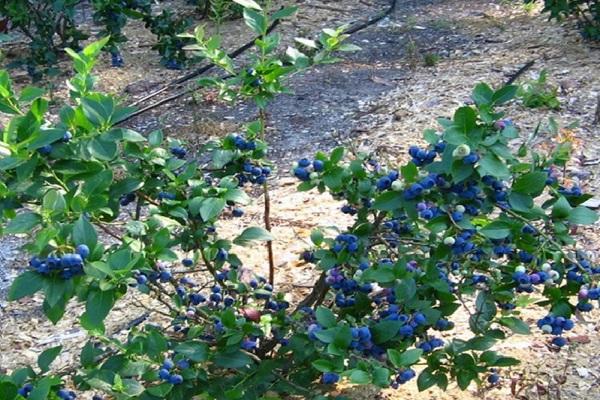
point(45, 359)
point(520, 202)
point(336, 155)
point(256, 21)
point(54, 202)
point(23, 223)
point(251, 234)
point(360, 377)
point(26, 284)
point(155, 138)
point(46, 137)
point(496, 230)
point(388, 201)
point(381, 377)
point(482, 94)
point(160, 391)
point(409, 357)
point(325, 317)
point(102, 149)
point(233, 359)
point(385, 330)
point(426, 379)
point(583, 216)
point(194, 350)
point(531, 183)
point(516, 325)
point(8, 390)
point(84, 233)
point(211, 208)
point(323, 365)
point(284, 13)
point(504, 94)
point(248, 4)
point(41, 390)
point(562, 208)
point(30, 93)
point(97, 307)
point(481, 343)
point(492, 165)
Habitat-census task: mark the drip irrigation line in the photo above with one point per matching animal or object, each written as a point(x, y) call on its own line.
point(520, 72)
point(350, 31)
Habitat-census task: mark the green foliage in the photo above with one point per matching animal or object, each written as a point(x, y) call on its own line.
point(537, 93)
point(49, 25)
point(587, 13)
point(465, 217)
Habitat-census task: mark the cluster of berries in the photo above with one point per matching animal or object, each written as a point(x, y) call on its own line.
point(417, 189)
point(430, 345)
point(253, 173)
point(574, 191)
point(552, 325)
point(242, 144)
point(165, 374)
point(302, 170)
point(428, 210)
point(67, 266)
point(345, 241)
point(421, 157)
point(388, 181)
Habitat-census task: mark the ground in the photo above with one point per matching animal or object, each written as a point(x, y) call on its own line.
point(379, 99)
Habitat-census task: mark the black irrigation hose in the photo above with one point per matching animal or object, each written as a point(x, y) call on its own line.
point(520, 72)
point(351, 30)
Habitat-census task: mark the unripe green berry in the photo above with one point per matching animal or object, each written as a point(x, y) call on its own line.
point(461, 151)
point(460, 208)
point(520, 269)
point(449, 241)
point(397, 186)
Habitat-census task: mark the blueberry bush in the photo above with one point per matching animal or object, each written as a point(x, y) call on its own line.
point(466, 223)
point(586, 12)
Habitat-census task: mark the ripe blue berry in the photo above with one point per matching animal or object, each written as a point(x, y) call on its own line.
point(83, 250)
point(318, 165)
point(176, 379)
point(329, 378)
point(187, 262)
point(237, 212)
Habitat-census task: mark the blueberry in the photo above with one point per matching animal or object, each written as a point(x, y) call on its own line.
point(237, 212)
point(420, 319)
point(302, 173)
point(165, 276)
point(187, 262)
point(117, 60)
point(175, 379)
point(329, 378)
point(45, 150)
point(493, 379)
point(83, 250)
point(168, 364)
point(142, 279)
point(304, 163)
point(222, 255)
point(318, 165)
point(67, 137)
point(183, 364)
point(559, 341)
